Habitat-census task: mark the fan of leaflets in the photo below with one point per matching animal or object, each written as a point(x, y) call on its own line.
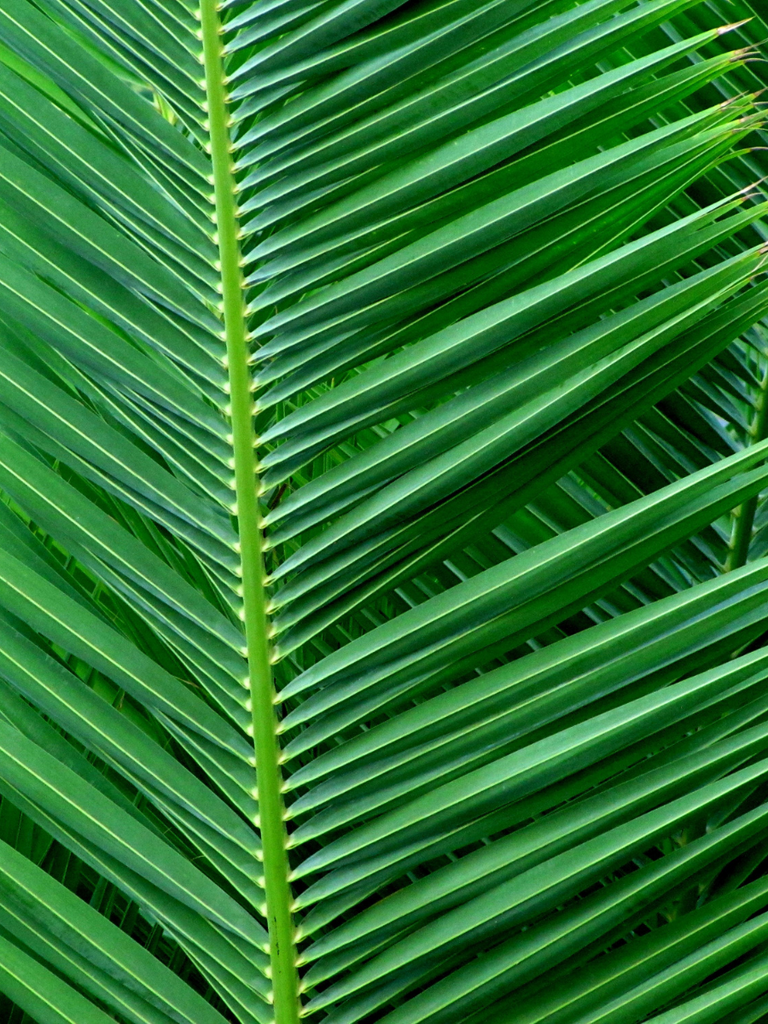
point(382, 582)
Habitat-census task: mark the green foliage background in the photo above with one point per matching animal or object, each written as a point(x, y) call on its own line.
point(383, 590)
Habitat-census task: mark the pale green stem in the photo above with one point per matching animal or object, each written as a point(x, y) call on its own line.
point(744, 515)
point(267, 752)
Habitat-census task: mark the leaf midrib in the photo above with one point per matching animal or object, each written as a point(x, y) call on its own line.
point(270, 819)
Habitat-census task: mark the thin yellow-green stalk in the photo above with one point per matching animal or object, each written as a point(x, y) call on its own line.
point(271, 813)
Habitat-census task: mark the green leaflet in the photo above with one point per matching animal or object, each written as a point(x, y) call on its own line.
point(43, 780)
point(471, 91)
point(39, 601)
point(482, 333)
point(515, 387)
point(49, 408)
point(611, 906)
point(736, 989)
point(86, 233)
point(470, 235)
point(60, 142)
point(451, 164)
point(79, 932)
point(51, 500)
point(25, 980)
point(379, 648)
point(351, 15)
point(668, 945)
point(96, 724)
point(613, 654)
point(574, 235)
point(86, 283)
point(504, 859)
point(341, 888)
point(41, 42)
point(502, 781)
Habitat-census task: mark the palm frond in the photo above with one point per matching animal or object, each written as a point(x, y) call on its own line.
point(382, 475)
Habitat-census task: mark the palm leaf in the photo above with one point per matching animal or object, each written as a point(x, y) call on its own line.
point(382, 475)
